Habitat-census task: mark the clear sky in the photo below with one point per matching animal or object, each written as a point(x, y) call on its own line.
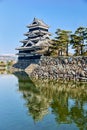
point(16, 14)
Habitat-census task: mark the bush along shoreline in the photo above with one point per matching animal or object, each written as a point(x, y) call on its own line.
point(66, 68)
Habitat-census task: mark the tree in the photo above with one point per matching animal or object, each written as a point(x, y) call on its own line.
point(81, 33)
point(75, 43)
point(62, 40)
point(55, 48)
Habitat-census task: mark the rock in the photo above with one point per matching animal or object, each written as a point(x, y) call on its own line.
point(61, 67)
point(31, 68)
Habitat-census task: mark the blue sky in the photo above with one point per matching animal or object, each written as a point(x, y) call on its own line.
point(16, 14)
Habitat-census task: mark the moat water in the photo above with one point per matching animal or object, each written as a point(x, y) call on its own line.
point(29, 104)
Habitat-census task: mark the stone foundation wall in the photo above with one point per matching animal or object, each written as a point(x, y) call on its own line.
point(23, 64)
point(61, 68)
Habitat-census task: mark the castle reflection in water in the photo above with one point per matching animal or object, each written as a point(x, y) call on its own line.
point(66, 100)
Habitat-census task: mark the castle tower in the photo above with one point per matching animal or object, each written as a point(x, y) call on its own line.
point(37, 37)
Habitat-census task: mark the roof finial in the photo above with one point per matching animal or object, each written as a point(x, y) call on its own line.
point(34, 18)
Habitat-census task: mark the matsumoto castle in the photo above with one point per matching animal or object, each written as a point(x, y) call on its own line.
point(38, 38)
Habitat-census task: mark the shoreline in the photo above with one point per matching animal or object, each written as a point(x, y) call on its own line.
point(56, 68)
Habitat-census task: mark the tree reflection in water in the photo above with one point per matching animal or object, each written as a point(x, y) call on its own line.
point(68, 100)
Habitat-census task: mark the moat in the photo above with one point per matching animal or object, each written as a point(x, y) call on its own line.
point(30, 104)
